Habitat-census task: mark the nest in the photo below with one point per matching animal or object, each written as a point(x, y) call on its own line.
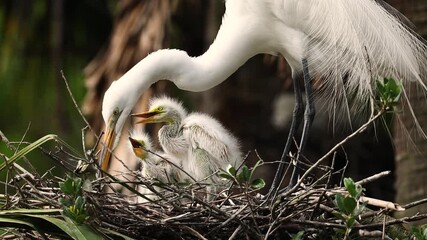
point(47, 206)
point(308, 209)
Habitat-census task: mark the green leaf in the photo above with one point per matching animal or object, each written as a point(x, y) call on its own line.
point(11, 222)
point(258, 183)
point(65, 202)
point(349, 205)
point(246, 174)
point(350, 186)
point(389, 91)
point(76, 231)
point(298, 235)
point(27, 149)
point(339, 215)
point(231, 170)
point(226, 176)
point(350, 222)
point(38, 222)
point(111, 232)
point(77, 184)
point(79, 203)
point(424, 227)
point(340, 231)
point(31, 211)
point(339, 202)
point(67, 186)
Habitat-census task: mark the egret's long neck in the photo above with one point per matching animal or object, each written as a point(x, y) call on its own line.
point(232, 47)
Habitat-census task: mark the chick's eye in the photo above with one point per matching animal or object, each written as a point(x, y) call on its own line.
point(116, 112)
point(160, 108)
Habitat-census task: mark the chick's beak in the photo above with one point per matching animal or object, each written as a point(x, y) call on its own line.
point(137, 148)
point(147, 117)
point(107, 145)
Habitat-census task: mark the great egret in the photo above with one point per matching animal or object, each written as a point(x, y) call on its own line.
point(202, 143)
point(347, 44)
point(153, 166)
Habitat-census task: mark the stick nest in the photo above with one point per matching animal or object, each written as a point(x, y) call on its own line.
point(182, 212)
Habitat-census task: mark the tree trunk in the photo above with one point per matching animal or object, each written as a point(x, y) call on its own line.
point(411, 147)
point(140, 28)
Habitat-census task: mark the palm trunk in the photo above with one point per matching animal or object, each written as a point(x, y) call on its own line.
point(411, 148)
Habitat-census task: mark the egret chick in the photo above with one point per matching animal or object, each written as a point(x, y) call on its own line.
point(201, 141)
point(153, 166)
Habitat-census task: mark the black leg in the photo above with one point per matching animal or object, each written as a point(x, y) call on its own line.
point(308, 120)
point(296, 120)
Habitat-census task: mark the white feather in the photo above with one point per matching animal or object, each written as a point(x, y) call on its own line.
point(154, 166)
point(202, 143)
point(204, 132)
point(348, 44)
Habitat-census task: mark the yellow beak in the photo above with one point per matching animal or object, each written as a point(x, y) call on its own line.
point(107, 145)
point(137, 148)
point(147, 117)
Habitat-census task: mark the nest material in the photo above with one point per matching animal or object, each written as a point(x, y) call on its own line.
point(182, 212)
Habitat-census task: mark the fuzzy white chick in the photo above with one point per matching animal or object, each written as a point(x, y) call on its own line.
point(201, 141)
point(153, 166)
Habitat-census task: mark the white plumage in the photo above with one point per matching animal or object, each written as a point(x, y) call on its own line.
point(202, 143)
point(346, 44)
point(153, 166)
point(208, 138)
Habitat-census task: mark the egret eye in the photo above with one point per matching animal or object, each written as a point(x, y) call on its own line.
point(116, 112)
point(160, 108)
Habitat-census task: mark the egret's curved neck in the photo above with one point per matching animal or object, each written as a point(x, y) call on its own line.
point(232, 47)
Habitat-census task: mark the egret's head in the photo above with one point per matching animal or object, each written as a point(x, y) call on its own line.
point(163, 110)
point(140, 143)
point(116, 107)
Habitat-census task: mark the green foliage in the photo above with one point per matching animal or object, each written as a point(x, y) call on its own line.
point(388, 96)
point(298, 236)
point(419, 233)
point(26, 150)
point(73, 203)
point(389, 92)
point(349, 207)
point(244, 176)
point(30, 91)
point(46, 221)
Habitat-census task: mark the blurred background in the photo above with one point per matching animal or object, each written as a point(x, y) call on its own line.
point(94, 42)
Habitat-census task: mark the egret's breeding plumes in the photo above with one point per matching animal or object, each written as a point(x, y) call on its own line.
point(346, 44)
point(154, 165)
point(202, 143)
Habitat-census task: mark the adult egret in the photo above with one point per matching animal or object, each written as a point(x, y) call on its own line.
point(202, 143)
point(153, 166)
point(347, 44)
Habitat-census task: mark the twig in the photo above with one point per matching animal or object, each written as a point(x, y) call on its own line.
point(358, 131)
point(326, 187)
point(194, 232)
point(76, 105)
point(234, 235)
point(416, 203)
point(12, 147)
point(373, 178)
point(317, 224)
point(393, 222)
point(372, 234)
